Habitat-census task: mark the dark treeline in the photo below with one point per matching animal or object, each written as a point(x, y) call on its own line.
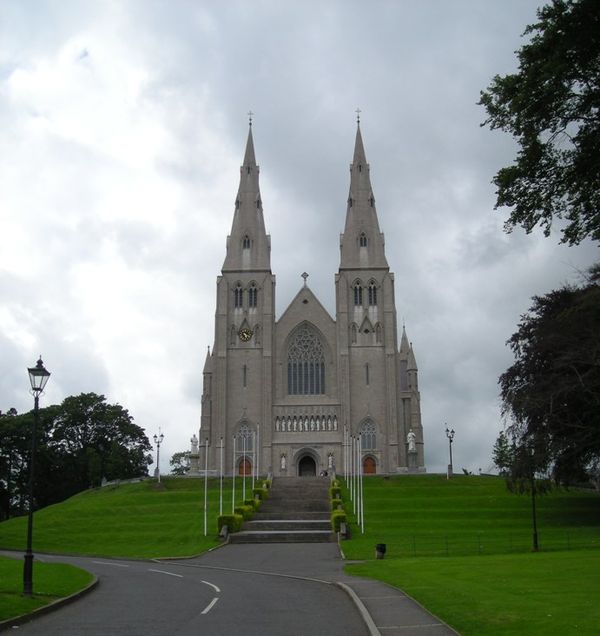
point(79, 442)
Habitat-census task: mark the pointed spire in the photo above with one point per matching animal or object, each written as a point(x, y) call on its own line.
point(411, 361)
point(404, 345)
point(362, 243)
point(208, 362)
point(249, 158)
point(248, 246)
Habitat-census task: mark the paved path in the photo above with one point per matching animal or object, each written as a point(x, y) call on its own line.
point(259, 590)
point(390, 611)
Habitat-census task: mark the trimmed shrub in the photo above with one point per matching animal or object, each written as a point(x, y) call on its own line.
point(335, 503)
point(261, 493)
point(335, 492)
point(254, 503)
point(337, 517)
point(233, 522)
point(246, 511)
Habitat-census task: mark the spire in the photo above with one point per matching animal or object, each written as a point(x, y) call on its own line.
point(412, 361)
point(362, 243)
point(404, 345)
point(248, 246)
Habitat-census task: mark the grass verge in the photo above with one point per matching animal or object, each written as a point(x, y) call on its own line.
point(517, 594)
point(51, 581)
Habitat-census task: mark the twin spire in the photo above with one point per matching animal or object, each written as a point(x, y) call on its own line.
point(361, 244)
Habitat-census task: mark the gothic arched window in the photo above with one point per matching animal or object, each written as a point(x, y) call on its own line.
point(372, 293)
point(244, 439)
point(246, 242)
point(238, 296)
point(306, 363)
point(358, 296)
point(368, 436)
point(252, 295)
point(362, 240)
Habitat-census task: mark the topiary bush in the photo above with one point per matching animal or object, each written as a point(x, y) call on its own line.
point(335, 492)
point(335, 503)
point(246, 511)
point(261, 493)
point(337, 517)
point(233, 522)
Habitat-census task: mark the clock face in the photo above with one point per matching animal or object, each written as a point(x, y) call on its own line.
point(245, 334)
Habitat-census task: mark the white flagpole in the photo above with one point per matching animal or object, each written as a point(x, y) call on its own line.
point(258, 454)
point(244, 467)
point(253, 456)
point(353, 474)
point(221, 478)
point(233, 478)
point(206, 487)
point(362, 494)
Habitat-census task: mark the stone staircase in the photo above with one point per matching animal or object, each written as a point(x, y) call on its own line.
point(297, 511)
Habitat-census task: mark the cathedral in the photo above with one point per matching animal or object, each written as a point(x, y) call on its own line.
point(291, 396)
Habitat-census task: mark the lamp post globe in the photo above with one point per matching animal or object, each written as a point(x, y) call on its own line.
point(38, 377)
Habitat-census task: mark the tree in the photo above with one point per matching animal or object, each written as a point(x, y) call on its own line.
point(552, 392)
point(503, 454)
point(180, 463)
point(552, 109)
point(78, 442)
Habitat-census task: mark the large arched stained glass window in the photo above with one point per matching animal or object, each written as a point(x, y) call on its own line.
point(306, 362)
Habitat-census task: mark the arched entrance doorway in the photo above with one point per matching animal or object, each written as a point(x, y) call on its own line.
point(245, 467)
point(307, 467)
point(369, 466)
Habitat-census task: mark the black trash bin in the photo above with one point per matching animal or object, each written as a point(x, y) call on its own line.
point(380, 550)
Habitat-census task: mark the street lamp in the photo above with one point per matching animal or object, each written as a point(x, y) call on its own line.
point(38, 376)
point(158, 441)
point(450, 436)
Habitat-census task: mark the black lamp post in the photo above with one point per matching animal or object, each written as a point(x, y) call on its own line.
point(450, 436)
point(38, 376)
point(158, 441)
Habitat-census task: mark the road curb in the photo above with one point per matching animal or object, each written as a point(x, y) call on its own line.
point(51, 607)
point(367, 618)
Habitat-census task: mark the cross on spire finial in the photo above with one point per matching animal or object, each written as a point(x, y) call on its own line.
point(305, 276)
point(250, 113)
point(358, 112)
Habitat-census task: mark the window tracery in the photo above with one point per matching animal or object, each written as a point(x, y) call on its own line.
point(306, 363)
point(368, 436)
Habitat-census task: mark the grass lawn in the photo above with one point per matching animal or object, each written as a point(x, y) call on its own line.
point(428, 515)
point(462, 548)
point(51, 581)
point(140, 520)
point(518, 594)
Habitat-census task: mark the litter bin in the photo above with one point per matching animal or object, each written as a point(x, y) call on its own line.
point(380, 550)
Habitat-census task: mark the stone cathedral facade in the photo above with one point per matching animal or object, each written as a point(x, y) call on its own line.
point(285, 395)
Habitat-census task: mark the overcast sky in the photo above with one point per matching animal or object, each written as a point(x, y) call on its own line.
point(122, 129)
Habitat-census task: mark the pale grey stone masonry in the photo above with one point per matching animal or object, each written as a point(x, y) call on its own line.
point(295, 388)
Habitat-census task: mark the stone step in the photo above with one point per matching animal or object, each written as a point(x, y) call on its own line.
point(291, 515)
point(296, 511)
point(288, 524)
point(288, 536)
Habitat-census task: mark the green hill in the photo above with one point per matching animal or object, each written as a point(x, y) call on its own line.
point(428, 515)
point(138, 520)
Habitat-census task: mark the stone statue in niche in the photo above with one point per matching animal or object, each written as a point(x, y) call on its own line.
point(283, 463)
point(411, 439)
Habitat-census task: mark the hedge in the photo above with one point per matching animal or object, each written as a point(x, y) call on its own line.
point(233, 522)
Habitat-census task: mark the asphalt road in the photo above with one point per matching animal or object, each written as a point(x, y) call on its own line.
point(254, 590)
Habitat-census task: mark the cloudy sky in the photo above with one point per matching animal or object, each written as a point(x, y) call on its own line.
point(122, 129)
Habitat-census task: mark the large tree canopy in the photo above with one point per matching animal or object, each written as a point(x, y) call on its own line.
point(552, 108)
point(552, 391)
point(79, 442)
